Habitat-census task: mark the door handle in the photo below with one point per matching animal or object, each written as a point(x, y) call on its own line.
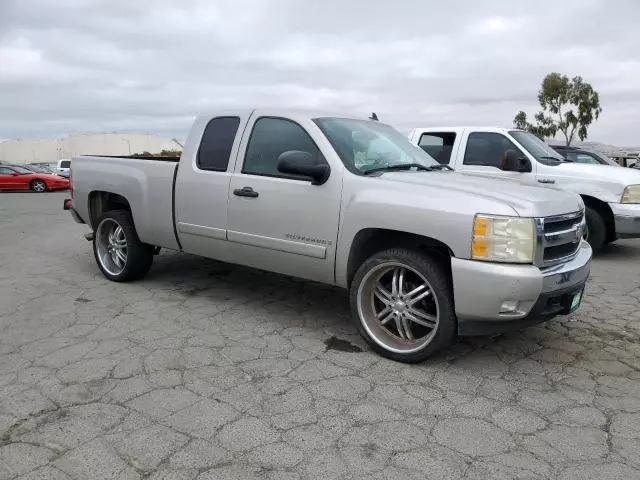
point(245, 192)
point(546, 180)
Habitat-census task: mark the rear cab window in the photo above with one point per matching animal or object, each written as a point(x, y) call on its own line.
point(65, 164)
point(217, 143)
point(439, 145)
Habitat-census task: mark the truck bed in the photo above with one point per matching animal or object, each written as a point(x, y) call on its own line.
point(146, 183)
point(139, 157)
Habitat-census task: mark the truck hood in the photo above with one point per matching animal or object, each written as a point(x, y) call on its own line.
point(620, 175)
point(526, 200)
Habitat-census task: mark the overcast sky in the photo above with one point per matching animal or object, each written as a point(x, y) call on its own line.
point(69, 66)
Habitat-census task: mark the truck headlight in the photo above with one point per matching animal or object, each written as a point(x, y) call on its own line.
point(631, 194)
point(503, 239)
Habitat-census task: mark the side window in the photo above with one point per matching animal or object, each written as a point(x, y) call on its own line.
point(5, 171)
point(488, 149)
point(269, 139)
point(216, 144)
point(65, 164)
point(586, 158)
point(438, 145)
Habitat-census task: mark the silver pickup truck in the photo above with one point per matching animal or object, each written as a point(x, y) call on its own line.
point(426, 253)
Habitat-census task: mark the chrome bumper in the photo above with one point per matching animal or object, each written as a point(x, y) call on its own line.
point(505, 293)
point(627, 219)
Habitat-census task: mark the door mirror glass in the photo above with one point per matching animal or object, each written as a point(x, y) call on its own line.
point(296, 162)
point(512, 161)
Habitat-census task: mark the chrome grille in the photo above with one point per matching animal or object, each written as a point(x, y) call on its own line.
point(558, 238)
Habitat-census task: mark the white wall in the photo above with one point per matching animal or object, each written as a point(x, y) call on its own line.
point(52, 150)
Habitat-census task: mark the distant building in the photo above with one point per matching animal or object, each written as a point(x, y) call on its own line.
point(52, 150)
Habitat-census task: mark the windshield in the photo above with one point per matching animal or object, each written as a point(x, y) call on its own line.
point(606, 160)
point(21, 170)
point(536, 147)
point(365, 145)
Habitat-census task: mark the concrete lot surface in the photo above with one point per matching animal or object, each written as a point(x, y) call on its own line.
point(214, 372)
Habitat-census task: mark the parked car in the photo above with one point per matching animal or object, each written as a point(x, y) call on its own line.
point(629, 161)
point(33, 168)
point(43, 167)
point(611, 195)
point(20, 178)
point(580, 155)
point(425, 252)
point(63, 167)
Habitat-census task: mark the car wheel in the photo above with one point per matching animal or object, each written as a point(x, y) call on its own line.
point(596, 232)
point(38, 186)
point(402, 302)
point(118, 251)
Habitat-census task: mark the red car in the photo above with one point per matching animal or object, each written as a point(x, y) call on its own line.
point(18, 178)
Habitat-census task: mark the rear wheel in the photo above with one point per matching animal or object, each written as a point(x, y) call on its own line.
point(402, 302)
point(596, 233)
point(118, 251)
point(38, 186)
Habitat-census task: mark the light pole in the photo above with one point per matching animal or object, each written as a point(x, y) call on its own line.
point(128, 144)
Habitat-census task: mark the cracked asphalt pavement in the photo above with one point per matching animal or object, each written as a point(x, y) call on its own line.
point(208, 371)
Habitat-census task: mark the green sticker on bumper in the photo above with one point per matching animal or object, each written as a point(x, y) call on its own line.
point(575, 303)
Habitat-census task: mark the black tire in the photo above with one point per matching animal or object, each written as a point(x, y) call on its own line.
point(38, 186)
point(439, 281)
point(597, 229)
point(139, 256)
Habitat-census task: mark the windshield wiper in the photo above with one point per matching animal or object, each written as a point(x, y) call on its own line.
point(440, 167)
point(402, 166)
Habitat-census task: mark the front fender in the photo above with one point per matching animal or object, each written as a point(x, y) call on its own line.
point(447, 218)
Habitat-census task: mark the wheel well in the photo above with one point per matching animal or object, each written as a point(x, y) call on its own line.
point(605, 212)
point(370, 241)
point(100, 202)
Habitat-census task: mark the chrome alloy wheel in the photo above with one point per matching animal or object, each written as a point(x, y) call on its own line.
point(398, 308)
point(111, 244)
point(39, 186)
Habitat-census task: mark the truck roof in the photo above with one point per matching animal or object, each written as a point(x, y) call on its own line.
point(466, 127)
point(284, 112)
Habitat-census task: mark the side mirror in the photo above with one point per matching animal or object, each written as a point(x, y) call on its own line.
point(512, 162)
point(296, 162)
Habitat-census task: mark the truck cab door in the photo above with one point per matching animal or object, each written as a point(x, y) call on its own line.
point(201, 187)
point(484, 155)
point(280, 222)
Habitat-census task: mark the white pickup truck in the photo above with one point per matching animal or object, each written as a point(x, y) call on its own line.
point(611, 195)
point(425, 252)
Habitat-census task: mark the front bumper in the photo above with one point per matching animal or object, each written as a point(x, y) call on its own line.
point(482, 290)
point(627, 219)
point(68, 205)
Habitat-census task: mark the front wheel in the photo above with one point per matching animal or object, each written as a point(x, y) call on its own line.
point(38, 186)
point(118, 251)
point(402, 301)
point(596, 232)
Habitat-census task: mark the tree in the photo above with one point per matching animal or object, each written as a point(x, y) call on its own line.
point(163, 153)
point(569, 106)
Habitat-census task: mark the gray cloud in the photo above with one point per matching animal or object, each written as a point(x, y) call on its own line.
point(89, 65)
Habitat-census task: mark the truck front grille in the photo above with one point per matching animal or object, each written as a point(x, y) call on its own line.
point(558, 238)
